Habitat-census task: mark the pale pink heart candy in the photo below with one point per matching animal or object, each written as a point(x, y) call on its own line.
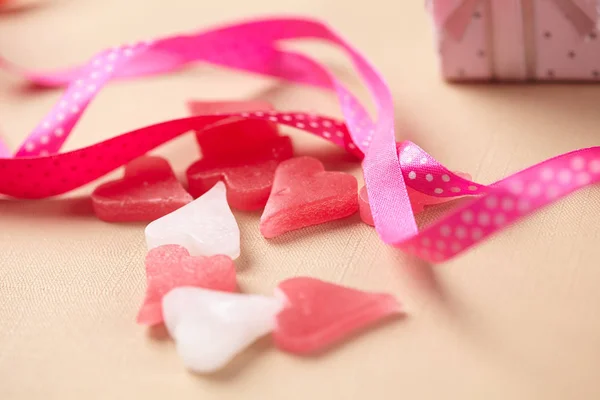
point(210, 328)
point(205, 227)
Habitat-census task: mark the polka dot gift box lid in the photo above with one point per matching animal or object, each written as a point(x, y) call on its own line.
point(517, 40)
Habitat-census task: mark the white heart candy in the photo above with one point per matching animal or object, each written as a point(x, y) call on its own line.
point(205, 227)
point(211, 327)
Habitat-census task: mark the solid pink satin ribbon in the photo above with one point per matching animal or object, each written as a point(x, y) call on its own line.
point(39, 171)
point(456, 15)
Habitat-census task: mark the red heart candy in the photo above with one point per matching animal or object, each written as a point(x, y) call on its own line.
point(318, 314)
point(234, 137)
point(147, 191)
point(171, 266)
point(244, 154)
point(304, 194)
point(248, 177)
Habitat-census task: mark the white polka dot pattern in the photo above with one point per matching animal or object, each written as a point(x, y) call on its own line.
point(63, 117)
point(502, 205)
point(426, 175)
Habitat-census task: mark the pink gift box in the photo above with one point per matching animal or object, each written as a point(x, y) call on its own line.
point(517, 40)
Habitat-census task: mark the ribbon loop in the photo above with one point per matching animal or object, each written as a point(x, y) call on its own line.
point(41, 171)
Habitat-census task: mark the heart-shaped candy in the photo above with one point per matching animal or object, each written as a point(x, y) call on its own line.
point(242, 153)
point(205, 227)
point(210, 328)
point(171, 266)
point(147, 191)
point(304, 194)
point(318, 314)
point(248, 176)
point(232, 137)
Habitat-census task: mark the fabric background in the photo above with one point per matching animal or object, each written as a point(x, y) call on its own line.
point(516, 318)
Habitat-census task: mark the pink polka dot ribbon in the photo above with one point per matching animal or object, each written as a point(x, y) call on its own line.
point(39, 170)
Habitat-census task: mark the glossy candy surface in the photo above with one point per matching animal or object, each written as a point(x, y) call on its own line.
point(318, 314)
point(248, 166)
point(248, 177)
point(147, 191)
point(304, 194)
point(215, 140)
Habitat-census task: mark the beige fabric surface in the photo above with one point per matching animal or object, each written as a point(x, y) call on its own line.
point(516, 318)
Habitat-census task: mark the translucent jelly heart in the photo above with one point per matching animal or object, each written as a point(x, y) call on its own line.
point(248, 176)
point(171, 266)
point(217, 139)
point(244, 153)
point(304, 194)
point(147, 191)
point(318, 314)
point(205, 227)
